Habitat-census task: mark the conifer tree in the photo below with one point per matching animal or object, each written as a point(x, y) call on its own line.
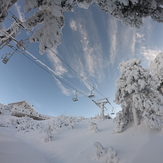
point(138, 96)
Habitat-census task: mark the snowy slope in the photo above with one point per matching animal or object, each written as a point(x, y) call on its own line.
point(67, 140)
point(15, 150)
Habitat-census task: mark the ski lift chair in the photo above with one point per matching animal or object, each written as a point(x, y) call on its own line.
point(5, 57)
point(75, 98)
point(91, 94)
point(112, 113)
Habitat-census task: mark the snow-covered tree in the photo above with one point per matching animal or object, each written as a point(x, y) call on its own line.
point(138, 96)
point(100, 150)
point(48, 133)
point(50, 14)
point(4, 7)
point(108, 155)
point(131, 12)
point(93, 127)
point(156, 69)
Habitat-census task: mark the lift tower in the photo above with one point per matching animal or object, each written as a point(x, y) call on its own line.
point(101, 104)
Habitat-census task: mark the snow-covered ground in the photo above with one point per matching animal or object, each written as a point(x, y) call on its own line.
point(75, 140)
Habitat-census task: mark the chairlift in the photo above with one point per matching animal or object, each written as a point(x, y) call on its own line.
point(75, 97)
point(91, 94)
point(112, 113)
point(6, 57)
point(22, 44)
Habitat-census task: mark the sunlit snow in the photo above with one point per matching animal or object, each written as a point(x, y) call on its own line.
point(66, 139)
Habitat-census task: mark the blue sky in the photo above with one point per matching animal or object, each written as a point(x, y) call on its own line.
point(93, 44)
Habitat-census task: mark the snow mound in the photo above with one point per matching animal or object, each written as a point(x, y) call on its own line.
point(109, 156)
point(92, 127)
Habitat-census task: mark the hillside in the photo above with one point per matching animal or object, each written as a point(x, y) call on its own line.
point(73, 140)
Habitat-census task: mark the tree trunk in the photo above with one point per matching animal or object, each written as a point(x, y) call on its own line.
point(135, 117)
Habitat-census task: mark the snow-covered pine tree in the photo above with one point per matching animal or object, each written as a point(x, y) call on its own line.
point(137, 95)
point(156, 69)
point(50, 14)
point(131, 12)
point(93, 127)
point(4, 7)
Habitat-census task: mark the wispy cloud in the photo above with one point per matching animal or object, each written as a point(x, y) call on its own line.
point(149, 54)
point(146, 49)
point(63, 89)
point(133, 43)
point(92, 55)
point(139, 36)
point(112, 28)
point(129, 40)
point(126, 41)
point(73, 25)
point(89, 62)
point(59, 70)
point(56, 63)
point(57, 73)
point(87, 52)
point(20, 13)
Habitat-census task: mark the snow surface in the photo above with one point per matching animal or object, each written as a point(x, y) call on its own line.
point(70, 141)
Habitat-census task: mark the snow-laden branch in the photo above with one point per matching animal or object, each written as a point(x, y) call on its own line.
point(50, 14)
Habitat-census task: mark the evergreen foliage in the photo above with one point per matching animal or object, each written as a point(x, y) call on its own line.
point(138, 96)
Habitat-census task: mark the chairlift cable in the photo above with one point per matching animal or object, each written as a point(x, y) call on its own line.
point(54, 75)
point(62, 61)
point(17, 23)
point(52, 72)
point(46, 65)
point(70, 67)
point(47, 71)
point(76, 72)
point(43, 64)
point(60, 79)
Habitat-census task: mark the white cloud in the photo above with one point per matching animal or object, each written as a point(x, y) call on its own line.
point(124, 40)
point(20, 13)
point(73, 25)
point(133, 42)
point(149, 54)
point(59, 70)
point(56, 62)
point(140, 35)
point(63, 89)
point(112, 28)
point(94, 62)
point(130, 39)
